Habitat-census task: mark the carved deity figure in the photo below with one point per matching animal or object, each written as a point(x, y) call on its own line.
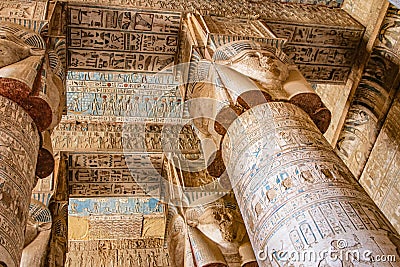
point(210, 231)
point(24, 58)
point(37, 235)
point(12, 49)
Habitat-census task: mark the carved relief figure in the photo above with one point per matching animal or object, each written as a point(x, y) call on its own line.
point(214, 232)
point(37, 235)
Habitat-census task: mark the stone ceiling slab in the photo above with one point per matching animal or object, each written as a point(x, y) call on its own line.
point(105, 38)
point(323, 53)
point(105, 174)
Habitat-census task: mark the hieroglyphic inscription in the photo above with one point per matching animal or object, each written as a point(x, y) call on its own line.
point(373, 97)
point(292, 11)
point(322, 53)
point(118, 253)
point(115, 226)
point(94, 245)
point(237, 27)
point(322, 74)
point(119, 39)
point(115, 218)
point(114, 206)
point(381, 173)
point(121, 19)
point(291, 186)
point(123, 97)
point(23, 10)
point(119, 61)
point(132, 137)
point(19, 144)
point(331, 56)
point(304, 34)
point(115, 174)
point(31, 15)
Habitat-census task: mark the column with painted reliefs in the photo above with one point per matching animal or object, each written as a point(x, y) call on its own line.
point(29, 106)
point(368, 110)
point(373, 97)
point(380, 177)
point(19, 145)
point(300, 203)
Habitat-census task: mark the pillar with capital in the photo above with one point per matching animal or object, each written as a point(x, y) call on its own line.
point(297, 198)
point(29, 106)
point(296, 195)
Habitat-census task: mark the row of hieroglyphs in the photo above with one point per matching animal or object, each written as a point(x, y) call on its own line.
point(96, 174)
point(115, 218)
point(152, 38)
point(118, 253)
point(123, 96)
point(108, 136)
point(241, 9)
point(115, 206)
point(23, 10)
point(120, 39)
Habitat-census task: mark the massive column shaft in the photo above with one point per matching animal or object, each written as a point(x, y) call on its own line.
point(30, 88)
point(297, 196)
point(19, 145)
point(368, 110)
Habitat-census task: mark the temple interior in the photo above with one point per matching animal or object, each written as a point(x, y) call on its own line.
point(183, 133)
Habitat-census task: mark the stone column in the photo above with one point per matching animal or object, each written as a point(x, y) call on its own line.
point(58, 206)
point(368, 109)
point(19, 146)
point(297, 196)
point(29, 104)
point(301, 204)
